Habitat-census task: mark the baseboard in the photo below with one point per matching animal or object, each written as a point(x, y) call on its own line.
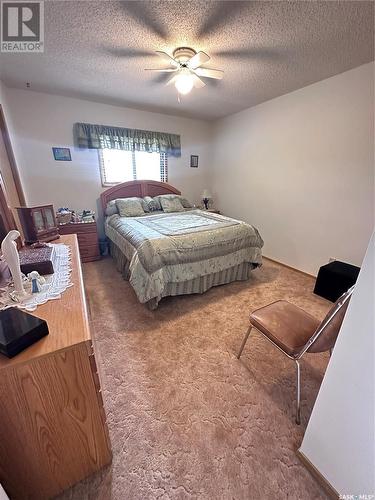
point(289, 267)
point(328, 488)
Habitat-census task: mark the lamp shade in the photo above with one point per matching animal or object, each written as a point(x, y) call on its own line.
point(206, 194)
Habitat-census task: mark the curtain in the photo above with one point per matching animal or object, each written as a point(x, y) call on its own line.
point(102, 136)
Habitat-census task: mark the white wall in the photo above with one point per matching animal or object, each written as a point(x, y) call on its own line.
point(40, 121)
point(340, 437)
point(301, 168)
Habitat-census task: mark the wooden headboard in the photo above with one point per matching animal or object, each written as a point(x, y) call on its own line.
point(136, 188)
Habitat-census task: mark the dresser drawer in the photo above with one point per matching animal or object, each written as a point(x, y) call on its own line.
point(90, 252)
point(85, 239)
point(78, 228)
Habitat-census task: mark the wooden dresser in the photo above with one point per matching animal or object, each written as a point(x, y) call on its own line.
point(53, 429)
point(87, 234)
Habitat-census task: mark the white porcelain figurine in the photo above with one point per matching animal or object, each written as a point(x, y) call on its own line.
point(11, 257)
point(36, 281)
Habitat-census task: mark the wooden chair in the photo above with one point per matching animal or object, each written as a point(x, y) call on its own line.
point(294, 332)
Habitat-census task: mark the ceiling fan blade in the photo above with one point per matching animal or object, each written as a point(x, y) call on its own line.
point(172, 80)
point(210, 73)
point(163, 70)
point(198, 83)
point(167, 58)
point(197, 60)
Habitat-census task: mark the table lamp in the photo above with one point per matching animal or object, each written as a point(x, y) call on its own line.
point(206, 196)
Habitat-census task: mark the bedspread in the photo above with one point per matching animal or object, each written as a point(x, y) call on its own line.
point(181, 246)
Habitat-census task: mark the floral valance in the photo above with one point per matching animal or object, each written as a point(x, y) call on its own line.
point(102, 136)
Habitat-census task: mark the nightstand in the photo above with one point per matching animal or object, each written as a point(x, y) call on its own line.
point(87, 234)
point(212, 210)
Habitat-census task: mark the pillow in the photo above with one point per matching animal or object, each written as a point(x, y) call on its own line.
point(129, 207)
point(171, 205)
point(144, 205)
point(111, 208)
point(152, 205)
point(185, 202)
point(157, 201)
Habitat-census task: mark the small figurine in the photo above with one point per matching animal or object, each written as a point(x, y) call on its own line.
point(36, 281)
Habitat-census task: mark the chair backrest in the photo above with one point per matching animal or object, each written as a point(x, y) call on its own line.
point(325, 336)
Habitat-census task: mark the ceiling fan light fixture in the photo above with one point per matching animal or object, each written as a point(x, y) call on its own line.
point(184, 82)
point(187, 66)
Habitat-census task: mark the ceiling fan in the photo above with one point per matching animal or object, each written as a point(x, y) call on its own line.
point(186, 63)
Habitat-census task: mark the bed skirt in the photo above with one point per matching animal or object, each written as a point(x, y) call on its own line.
point(201, 284)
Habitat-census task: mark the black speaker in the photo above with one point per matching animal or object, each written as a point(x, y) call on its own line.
point(334, 279)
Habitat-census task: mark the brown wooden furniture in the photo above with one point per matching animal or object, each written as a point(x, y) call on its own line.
point(136, 188)
point(38, 223)
point(53, 430)
point(87, 234)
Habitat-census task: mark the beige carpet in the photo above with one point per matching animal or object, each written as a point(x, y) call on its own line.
point(187, 420)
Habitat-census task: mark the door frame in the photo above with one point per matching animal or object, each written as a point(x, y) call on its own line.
point(11, 157)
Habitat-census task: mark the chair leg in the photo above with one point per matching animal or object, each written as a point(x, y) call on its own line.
point(244, 341)
point(298, 409)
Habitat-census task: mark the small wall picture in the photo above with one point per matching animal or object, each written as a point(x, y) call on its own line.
point(194, 161)
point(62, 154)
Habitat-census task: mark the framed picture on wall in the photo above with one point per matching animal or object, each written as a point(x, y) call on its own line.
point(62, 154)
point(194, 161)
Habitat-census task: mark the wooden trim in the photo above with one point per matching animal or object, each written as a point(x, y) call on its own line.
point(324, 483)
point(136, 188)
point(5, 213)
point(289, 267)
point(11, 157)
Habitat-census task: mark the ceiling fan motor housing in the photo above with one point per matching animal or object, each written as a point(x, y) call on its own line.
point(183, 54)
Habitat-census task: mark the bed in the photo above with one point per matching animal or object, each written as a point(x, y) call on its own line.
point(166, 254)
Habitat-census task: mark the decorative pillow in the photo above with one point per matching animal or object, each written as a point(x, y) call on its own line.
point(111, 208)
point(152, 204)
point(129, 207)
point(157, 201)
point(144, 204)
point(185, 202)
point(171, 205)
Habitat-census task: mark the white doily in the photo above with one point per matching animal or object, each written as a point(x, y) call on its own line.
point(54, 286)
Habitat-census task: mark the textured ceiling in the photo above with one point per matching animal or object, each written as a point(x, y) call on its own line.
point(98, 50)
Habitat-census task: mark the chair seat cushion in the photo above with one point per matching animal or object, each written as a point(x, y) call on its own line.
point(287, 325)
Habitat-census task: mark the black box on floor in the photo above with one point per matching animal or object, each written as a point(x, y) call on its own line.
point(334, 279)
point(19, 330)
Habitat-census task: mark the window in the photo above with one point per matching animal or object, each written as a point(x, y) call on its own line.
point(117, 165)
